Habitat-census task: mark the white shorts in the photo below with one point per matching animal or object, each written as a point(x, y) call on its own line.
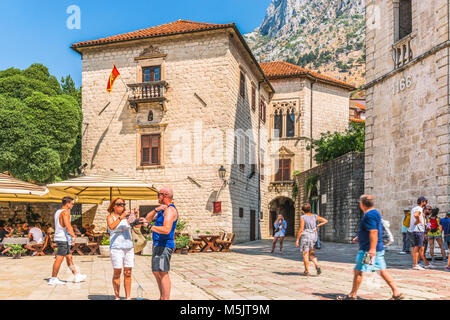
point(122, 258)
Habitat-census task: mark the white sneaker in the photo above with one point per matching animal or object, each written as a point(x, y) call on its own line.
point(403, 252)
point(430, 266)
point(79, 277)
point(418, 268)
point(55, 281)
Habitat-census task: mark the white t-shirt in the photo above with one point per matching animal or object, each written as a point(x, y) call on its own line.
point(420, 227)
point(37, 234)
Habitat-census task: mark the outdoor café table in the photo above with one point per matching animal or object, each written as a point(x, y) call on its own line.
point(209, 241)
point(77, 246)
point(21, 241)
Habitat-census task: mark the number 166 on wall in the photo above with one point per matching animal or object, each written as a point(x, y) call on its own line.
point(402, 84)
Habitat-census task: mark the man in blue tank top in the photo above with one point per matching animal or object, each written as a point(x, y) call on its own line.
point(166, 218)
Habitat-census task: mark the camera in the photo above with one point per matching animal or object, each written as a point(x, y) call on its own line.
point(135, 223)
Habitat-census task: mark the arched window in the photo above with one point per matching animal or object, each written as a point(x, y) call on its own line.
point(278, 124)
point(290, 123)
point(150, 116)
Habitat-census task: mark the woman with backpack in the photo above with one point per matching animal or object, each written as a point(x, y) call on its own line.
point(307, 237)
point(434, 232)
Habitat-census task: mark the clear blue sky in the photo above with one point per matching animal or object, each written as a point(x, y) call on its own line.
point(35, 30)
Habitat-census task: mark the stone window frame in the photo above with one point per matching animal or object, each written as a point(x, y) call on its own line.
point(397, 7)
point(285, 106)
point(152, 129)
point(150, 62)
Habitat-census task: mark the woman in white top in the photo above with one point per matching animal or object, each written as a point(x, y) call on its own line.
point(121, 245)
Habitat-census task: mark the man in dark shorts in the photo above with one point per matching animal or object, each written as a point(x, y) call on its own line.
point(417, 233)
point(166, 218)
point(64, 238)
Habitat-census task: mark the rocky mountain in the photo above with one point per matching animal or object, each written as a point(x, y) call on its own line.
point(322, 35)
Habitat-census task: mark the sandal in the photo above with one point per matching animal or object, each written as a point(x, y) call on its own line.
point(346, 297)
point(306, 273)
point(399, 297)
point(319, 271)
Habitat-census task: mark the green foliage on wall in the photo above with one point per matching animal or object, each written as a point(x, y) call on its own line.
point(333, 145)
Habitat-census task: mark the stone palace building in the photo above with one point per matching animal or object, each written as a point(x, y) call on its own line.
point(408, 98)
point(192, 102)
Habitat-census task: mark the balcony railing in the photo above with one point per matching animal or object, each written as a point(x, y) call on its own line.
point(402, 52)
point(147, 92)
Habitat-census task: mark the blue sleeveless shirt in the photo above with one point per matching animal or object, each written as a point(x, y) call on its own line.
point(164, 240)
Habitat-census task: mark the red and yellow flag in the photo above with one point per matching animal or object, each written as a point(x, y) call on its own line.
point(112, 78)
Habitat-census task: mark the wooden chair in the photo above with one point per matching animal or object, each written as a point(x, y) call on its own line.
point(51, 246)
point(194, 245)
point(226, 244)
point(40, 247)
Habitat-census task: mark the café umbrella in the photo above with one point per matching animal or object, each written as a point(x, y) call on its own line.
point(106, 186)
point(15, 190)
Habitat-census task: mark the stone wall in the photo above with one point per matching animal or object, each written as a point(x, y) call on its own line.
point(340, 184)
point(408, 117)
point(203, 107)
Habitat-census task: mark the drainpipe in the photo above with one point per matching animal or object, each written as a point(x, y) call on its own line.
point(259, 161)
point(311, 124)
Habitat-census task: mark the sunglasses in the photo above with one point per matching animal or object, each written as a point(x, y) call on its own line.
point(120, 204)
point(162, 194)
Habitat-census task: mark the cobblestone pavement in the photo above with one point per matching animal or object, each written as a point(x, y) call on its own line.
point(249, 272)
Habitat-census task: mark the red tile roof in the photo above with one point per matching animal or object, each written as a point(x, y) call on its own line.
point(177, 27)
point(282, 69)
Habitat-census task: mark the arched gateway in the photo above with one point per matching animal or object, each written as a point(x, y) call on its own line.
point(284, 206)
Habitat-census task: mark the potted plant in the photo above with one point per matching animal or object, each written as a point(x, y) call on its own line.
point(104, 247)
point(16, 250)
point(181, 243)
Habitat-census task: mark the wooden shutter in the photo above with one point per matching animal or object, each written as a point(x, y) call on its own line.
point(286, 169)
point(242, 85)
point(253, 98)
point(156, 146)
point(279, 174)
point(150, 150)
point(261, 174)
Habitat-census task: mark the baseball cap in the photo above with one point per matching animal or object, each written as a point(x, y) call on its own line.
point(422, 198)
point(406, 209)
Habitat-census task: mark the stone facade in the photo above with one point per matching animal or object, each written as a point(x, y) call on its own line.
point(407, 125)
point(338, 184)
point(197, 124)
point(330, 109)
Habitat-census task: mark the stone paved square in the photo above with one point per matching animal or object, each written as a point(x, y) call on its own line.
point(250, 272)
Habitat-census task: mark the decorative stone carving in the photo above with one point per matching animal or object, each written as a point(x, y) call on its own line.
point(151, 52)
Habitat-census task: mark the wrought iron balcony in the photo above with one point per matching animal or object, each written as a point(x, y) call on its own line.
point(147, 92)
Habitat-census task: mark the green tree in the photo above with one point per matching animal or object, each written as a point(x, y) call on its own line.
point(40, 122)
point(333, 145)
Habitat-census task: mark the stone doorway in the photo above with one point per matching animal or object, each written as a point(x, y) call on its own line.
point(284, 206)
